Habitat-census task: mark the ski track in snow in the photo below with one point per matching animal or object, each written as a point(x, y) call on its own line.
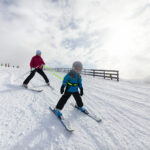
point(27, 123)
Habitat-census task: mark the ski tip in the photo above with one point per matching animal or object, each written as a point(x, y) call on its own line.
point(51, 108)
point(99, 120)
point(69, 129)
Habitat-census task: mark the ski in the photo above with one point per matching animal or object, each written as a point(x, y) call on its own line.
point(51, 87)
point(35, 90)
point(32, 89)
point(64, 122)
point(93, 116)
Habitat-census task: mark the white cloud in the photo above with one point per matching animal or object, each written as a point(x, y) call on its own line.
point(103, 34)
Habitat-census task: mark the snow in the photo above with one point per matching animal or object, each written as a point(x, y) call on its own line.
point(27, 124)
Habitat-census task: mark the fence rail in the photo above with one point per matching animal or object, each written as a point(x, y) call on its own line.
point(106, 74)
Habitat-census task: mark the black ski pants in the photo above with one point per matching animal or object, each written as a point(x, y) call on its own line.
point(66, 96)
point(40, 71)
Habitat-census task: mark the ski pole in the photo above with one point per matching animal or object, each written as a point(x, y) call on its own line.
point(25, 73)
point(22, 76)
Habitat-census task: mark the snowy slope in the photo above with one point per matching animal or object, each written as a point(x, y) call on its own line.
point(27, 124)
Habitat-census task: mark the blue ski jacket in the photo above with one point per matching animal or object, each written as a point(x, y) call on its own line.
point(72, 81)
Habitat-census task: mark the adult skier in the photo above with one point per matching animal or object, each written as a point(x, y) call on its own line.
point(36, 65)
point(72, 81)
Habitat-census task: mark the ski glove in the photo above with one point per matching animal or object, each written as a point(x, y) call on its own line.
point(32, 69)
point(62, 89)
point(81, 91)
point(41, 67)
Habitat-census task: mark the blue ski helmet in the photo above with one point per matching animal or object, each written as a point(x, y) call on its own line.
point(77, 64)
point(38, 52)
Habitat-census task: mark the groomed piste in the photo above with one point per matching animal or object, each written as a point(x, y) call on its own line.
point(26, 123)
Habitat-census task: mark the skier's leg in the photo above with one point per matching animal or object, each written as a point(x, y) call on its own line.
point(63, 100)
point(78, 99)
point(29, 77)
point(40, 71)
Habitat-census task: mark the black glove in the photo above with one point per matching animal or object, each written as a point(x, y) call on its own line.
point(62, 89)
point(81, 91)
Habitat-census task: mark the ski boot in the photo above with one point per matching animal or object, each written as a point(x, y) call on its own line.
point(83, 110)
point(48, 84)
point(25, 85)
point(58, 113)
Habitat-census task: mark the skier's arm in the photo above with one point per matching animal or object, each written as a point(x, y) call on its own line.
point(31, 63)
point(80, 83)
point(43, 63)
point(81, 87)
point(65, 81)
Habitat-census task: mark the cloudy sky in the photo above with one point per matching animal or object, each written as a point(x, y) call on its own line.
point(103, 34)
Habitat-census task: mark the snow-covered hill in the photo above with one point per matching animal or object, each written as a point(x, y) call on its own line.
point(27, 124)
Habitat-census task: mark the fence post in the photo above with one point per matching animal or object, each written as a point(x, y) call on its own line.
point(104, 74)
point(93, 73)
point(118, 76)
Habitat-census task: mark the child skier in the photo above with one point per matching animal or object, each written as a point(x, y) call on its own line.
point(71, 83)
point(36, 65)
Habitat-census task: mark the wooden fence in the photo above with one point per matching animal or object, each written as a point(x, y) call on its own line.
point(106, 74)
